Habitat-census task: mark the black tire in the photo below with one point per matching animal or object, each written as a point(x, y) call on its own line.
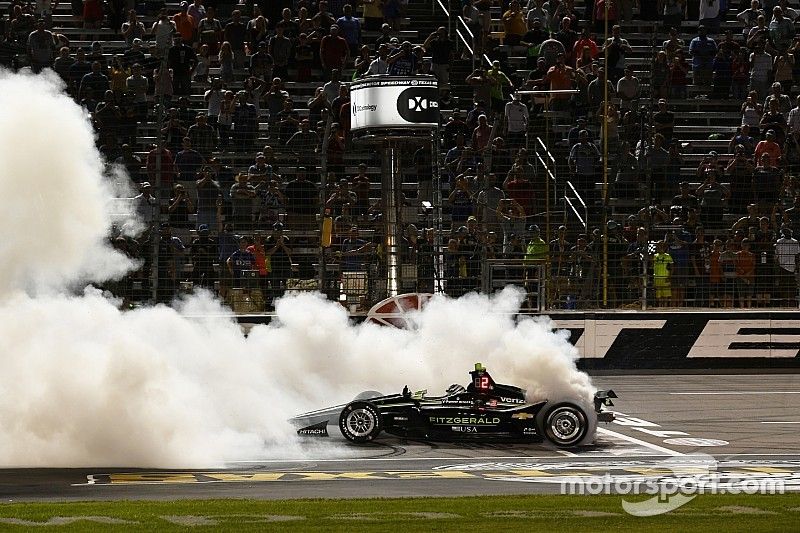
point(565, 424)
point(360, 422)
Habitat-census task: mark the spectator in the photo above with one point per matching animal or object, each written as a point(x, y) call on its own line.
point(722, 77)
point(745, 274)
point(709, 14)
point(239, 261)
point(185, 23)
point(760, 71)
point(712, 195)
point(280, 49)
point(749, 16)
point(767, 180)
point(235, 34)
point(162, 30)
point(209, 30)
point(781, 30)
point(514, 24)
point(441, 48)
point(350, 27)
point(243, 196)
point(618, 49)
point(783, 101)
point(245, 123)
point(333, 51)
point(208, 192)
point(188, 161)
point(202, 136)
point(703, 50)
point(628, 90)
point(583, 158)
point(41, 47)
point(182, 60)
point(786, 250)
point(170, 250)
point(403, 62)
point(769, 148)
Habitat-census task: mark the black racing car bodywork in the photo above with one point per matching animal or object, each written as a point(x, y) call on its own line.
point(483, 411)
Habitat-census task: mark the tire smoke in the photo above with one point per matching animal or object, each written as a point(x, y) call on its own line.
point(83, 383)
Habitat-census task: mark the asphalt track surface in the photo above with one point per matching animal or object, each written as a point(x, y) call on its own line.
point(748, 424)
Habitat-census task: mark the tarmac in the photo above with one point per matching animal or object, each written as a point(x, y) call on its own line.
point(739, 427)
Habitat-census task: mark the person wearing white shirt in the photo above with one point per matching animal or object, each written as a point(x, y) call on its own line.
point(786, 250)
point(379, 65)
point(709, 14)
point(517, 116)
point(793, 121)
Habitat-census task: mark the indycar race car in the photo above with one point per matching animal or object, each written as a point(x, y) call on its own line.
point(483, 411)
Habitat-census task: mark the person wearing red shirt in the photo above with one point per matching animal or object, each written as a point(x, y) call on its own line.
point(333, 51)
point(585, 40)
point(769, 147)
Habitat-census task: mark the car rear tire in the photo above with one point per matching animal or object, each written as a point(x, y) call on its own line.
point(565, 425)
point(360, 422)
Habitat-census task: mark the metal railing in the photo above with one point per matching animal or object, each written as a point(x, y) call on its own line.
point(573, 203)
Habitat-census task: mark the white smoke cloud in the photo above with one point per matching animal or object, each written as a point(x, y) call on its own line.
point(83, 383)
point(54, 194)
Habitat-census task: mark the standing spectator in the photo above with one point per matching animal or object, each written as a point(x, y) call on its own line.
point(41, 47)
point(245, 123)
point(709, 14)
point(712, 195)
point(209, 31)
point(208, 191)
point(662, 274)
point(783, 101)
point(628, 90)
point(403, 62)
point(163, 29)
point(243, 196)
point(618, 49)
point(333, 51)
point(583, 158)
point(62, 64)
point(239, 261)
point(170, 249)
point(197, 11)
point(516, 122)
point(280, 49)
point(188, 161)
point(202, 136)
point(760, 71)
point(235, 33)
point(350, 28)
point(786, 250)
point(514, 24)
point(767, 180)
point(722, 78)
point(770, 148)
point(703, 50)
point(440, 47)
point(185, 24)
point(202, 252)
point(182, 59)
point(781, 30)
point(745, 274)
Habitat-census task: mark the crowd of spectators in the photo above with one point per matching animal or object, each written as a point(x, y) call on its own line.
point(228, 116)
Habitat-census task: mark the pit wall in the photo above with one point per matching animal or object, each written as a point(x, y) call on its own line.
point(674, 340)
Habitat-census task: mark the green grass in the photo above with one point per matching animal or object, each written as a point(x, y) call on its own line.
point(500, 513)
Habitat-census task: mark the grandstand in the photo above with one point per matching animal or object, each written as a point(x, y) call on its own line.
point(651, 207)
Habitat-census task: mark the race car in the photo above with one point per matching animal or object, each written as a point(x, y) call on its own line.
point(483, 411)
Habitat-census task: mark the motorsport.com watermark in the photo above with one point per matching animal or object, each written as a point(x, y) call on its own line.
point(672, 483)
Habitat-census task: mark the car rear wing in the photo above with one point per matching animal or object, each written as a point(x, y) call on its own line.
point(603, 398)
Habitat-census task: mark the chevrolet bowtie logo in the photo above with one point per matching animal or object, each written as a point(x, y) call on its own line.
point(522, 416)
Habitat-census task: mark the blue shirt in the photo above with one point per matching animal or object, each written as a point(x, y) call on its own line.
point(350, 29)
point(703, 51)
point(241, 260)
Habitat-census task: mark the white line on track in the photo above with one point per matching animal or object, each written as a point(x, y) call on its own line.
point(732, 393)
point(783, 422)
point(655, 447)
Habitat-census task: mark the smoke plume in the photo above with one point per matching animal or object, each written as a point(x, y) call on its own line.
point(83, 383)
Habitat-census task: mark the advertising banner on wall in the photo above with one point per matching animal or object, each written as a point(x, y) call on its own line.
point(394, 102)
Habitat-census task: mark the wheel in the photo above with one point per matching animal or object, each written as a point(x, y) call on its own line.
point(565, 424)
point(360, 422)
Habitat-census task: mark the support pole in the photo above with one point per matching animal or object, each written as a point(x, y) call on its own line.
point(391, 179)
